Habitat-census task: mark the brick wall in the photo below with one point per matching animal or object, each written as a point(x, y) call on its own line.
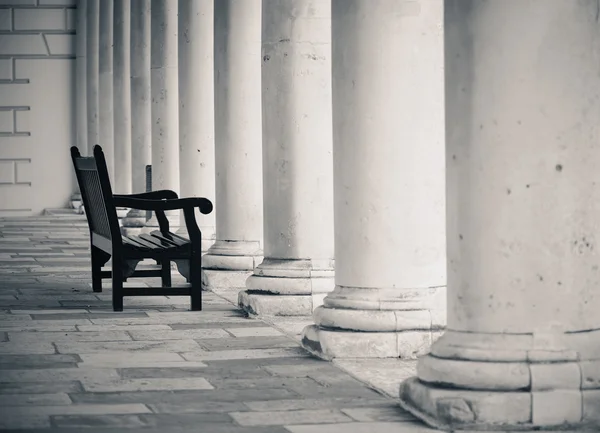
point(37, 122)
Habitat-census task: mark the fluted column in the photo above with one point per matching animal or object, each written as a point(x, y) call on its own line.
point(105, 97)
point(238, 209)
point(165, 101)
point(92, 71)
point(81, 83)
point(388, 148)
point(197, 108)
point(297, 271)
point(141, 116)
point(522, 349)
point(122, 96)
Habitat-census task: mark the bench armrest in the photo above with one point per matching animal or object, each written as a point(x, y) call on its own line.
point(151, 195)
point(203, 204)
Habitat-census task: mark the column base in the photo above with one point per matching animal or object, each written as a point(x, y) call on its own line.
point(228, 264)
point(278, 305)
point(329, 343)
point(220, 279)
point(76, 201)
point(460, 409)
point(485, 381)
point(287, 287)
point(208, 236)
point(356, 322)
point(133, 223)
point(233, 256)
point(132, 231)
point(121, 215)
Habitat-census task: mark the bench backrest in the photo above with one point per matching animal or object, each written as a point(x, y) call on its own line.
point(96, 192)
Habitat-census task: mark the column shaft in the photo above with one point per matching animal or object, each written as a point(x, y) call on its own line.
point(523, 151)
point(165, 100)
point(141, 118)
point(388, 144)
point(81, 80)
point(92, 70)
point(105, 97)
point(141, 108)
point(297, 270)
point(238, 135)
point(196, 108)
point(122, 96)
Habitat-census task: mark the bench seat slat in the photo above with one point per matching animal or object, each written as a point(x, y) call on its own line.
point(161, 243)
point(131, 242)
point(145, 244)
point(176, 238)
point(152, 291)
point(170, 239)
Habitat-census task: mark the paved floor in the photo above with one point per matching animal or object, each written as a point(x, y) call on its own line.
point(68, 363)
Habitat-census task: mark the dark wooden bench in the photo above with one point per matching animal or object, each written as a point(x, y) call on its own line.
point(127, 251)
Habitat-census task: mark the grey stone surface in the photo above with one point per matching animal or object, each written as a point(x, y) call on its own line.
point(316, 403)
point(260, 382)
point(69, 316)
point(34, 400)
point(184, 397)
point(40, 387)
point(367, 427)
point(321, 416)
point(247, 343)
point(199, 407)
point(124, 359)
point(13, 362)
point(154, 384)
point(106, 421)
point(319, 391)
point(34, 337)
point(249, 323)
point(208, 427)
point(133, 346)
point(208, 371)
point(180, 334)
point(69, 363)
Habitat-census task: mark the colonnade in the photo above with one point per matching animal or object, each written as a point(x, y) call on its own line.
point(409, 144)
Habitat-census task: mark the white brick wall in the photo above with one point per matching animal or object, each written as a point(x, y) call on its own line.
point(37, 127)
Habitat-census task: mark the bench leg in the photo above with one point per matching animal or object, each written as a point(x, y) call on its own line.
point(196, 282)
point(117, 287)
point(165, 273)
point(99, 258)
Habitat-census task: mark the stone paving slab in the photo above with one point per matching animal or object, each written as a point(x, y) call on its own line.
point(34, 400)
point(208, 427)
point(69, 363)
point(125, 359)
point(10, 362)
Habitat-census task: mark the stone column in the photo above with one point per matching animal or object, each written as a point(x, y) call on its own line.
point(297, 271)
point(141, 118)
point(122, 96)
point(197, 109)
point(105, 97)
point(239, 214)
point(80, 91)
point(388, 145)
point(81, 83)
point(522, 349)
point(165, 102)
point(92, 70)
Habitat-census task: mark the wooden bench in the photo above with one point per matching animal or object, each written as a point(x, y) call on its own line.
point(127, 251)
